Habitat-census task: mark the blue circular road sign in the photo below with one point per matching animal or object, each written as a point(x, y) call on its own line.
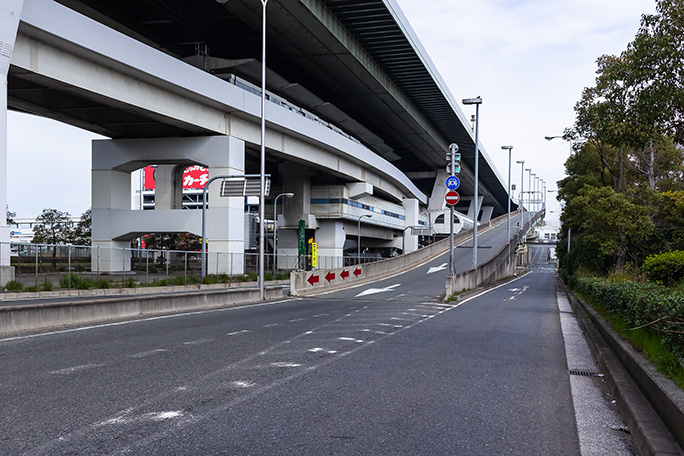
point(452, 182)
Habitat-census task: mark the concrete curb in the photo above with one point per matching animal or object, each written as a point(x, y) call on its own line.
point(44, 316)
point(651, 404)
point(142, 290)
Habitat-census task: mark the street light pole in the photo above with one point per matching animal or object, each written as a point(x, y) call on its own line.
point(275, 228)
point(522, 194)
point(262, 161)
point(359, 235)
point(529, 200)
point(477, 102)
point(508, 230)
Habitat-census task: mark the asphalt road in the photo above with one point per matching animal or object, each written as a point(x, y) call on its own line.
point(369, 374)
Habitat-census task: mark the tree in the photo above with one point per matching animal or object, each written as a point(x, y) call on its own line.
point(53, 227)
point(608, 229)
point(82, 232)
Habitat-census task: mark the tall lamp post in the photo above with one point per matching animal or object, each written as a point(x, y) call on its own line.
point(477, 102)
point(275, 228)
point(529, 200)
point(359, 235)
point(531, 192)
point(522, 193)
point(262, 195)
point(508, 228)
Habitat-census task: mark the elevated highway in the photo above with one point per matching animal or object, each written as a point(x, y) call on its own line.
point(357, 113)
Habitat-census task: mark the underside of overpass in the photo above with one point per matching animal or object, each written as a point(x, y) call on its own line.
point(355, 64)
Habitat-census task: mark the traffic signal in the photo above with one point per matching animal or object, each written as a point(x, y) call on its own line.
point(453, 160)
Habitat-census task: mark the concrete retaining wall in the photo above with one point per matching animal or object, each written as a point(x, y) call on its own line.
point(17, 319)
point(323, 280)
point(651, 404)
point(503, 265)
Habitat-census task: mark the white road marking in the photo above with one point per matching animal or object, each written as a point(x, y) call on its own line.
point(153, 416)
point(197, 342)
point(441, 267)
point(71, 370)
point(296, 320)
point(242, 384)
point(354, 339)
point(285, 364)
point(371, 291)
point(319, 315)
point(235, 333)
point(270, 325)
point(148, 353)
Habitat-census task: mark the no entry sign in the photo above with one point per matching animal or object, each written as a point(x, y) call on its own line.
point(451, 198)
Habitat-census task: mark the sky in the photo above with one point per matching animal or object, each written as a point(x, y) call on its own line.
point(528, 59)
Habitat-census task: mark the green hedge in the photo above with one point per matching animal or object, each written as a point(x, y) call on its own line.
point(654, 306)
point(666, 268)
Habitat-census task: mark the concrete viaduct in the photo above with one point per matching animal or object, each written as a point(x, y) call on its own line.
point(358, 118)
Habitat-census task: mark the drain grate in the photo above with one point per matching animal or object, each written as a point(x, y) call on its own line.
point(585, 373)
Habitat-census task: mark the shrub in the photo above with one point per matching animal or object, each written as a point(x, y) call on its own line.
point(177, 280)
point(130, 283)
point(32, 289)
point(47, 285)
point(666, 268)
point(210, 279)
point(103, 283)
point(641, 305)
point(77, 282)
point(14, 286)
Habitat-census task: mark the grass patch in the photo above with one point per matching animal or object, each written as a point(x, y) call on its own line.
point(647, 341)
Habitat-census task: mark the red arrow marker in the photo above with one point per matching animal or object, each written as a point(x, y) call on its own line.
point(329, 276)
point(312, 279)
point(344, 274)
point(357, 272)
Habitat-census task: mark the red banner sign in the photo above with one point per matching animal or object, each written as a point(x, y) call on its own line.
point(193, 177)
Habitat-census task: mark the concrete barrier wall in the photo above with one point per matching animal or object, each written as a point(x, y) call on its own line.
point(18, 319)
point(501, 266)
point(303, 283)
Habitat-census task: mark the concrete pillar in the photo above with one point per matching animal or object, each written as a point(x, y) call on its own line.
point(111, 198)
point(288, 249)
point(330, 238)
point(487, 212)
point(297, 181)
point(411, 209)
point(471, 208)
point(114, 223)
point(9, 22)
point(168, 187)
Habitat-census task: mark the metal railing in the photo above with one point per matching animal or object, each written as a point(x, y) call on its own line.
point(48, 266)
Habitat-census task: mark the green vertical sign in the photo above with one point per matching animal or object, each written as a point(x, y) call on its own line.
point(302, 240)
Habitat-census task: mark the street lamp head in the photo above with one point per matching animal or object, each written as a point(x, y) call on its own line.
point(472, 101)
point(520, 162)
point(549, 138)
point(221, 1)
point(528, 169)
point(507, 147)
point(288, 195)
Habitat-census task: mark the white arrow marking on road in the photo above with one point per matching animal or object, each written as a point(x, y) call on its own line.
point(377, 290)
point(442, 267)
